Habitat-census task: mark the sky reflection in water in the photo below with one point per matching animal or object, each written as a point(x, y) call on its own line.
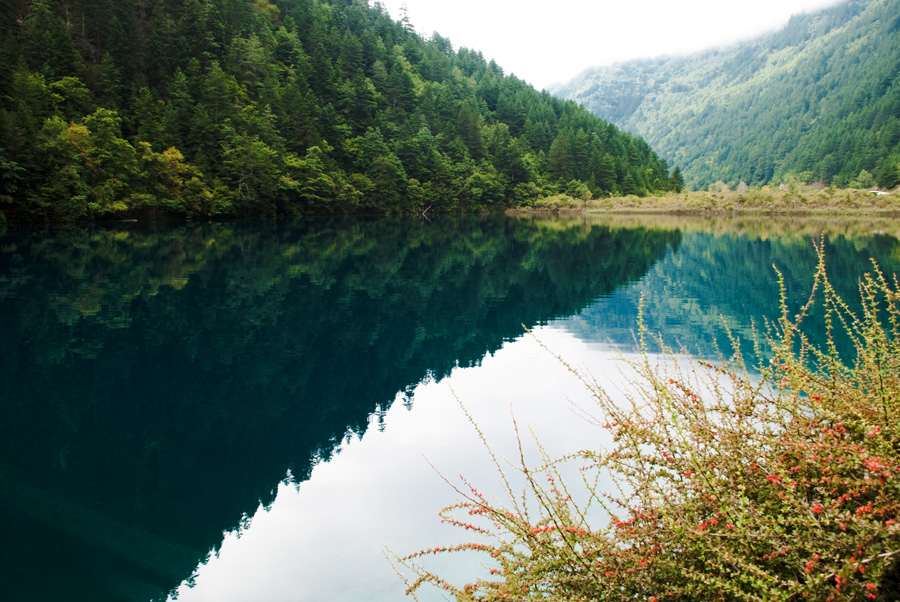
point(324, 538)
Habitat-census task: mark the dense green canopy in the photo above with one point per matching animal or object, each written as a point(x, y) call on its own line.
point(248, 107)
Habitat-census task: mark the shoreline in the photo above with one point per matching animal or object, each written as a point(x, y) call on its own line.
point(825, 212)
point(762, 202)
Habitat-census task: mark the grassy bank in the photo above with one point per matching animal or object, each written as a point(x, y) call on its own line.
point(800, 229)
point(768, 200)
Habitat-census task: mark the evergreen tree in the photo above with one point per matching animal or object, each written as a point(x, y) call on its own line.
point(677, 180)
point(243, 107)
point(468, 127)
point(48, 46)
point(561, 161)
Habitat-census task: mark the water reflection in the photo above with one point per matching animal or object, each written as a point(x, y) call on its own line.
point(724, 272)
point(158, 383)
point(320, 541)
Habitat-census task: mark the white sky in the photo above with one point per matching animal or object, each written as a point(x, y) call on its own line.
point(552, 41)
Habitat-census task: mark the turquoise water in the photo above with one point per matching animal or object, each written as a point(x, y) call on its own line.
point(243, 410)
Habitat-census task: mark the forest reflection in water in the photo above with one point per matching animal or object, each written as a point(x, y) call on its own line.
point(158, 384)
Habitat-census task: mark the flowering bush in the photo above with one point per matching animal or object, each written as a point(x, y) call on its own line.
point(781, 485)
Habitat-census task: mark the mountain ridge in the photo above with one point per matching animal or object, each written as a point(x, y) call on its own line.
point(817, 100)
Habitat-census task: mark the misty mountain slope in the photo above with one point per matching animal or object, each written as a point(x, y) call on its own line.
point(818, 100)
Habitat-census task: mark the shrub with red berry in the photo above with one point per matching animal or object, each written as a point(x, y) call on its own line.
point(780, 483)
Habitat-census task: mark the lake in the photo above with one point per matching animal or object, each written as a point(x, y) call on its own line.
point(258, 410)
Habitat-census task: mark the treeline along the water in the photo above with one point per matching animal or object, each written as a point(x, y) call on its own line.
point(219, 107)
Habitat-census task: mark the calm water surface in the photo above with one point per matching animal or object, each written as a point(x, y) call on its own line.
point(257, 410)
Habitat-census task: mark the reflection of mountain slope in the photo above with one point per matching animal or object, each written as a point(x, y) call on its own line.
point(157, 384)
point(730, 277)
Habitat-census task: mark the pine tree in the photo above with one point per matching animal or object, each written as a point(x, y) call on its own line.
point(677, 180)
point(468, 127)
point(561, 163)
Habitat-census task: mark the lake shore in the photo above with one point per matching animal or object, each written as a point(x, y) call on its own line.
point(788, 201)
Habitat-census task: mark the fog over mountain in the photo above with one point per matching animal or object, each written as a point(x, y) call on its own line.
point(817, 100)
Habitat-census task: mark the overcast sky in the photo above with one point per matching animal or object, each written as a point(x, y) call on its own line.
point(553, 40)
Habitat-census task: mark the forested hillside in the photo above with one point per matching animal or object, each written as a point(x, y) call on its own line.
point(817, 101)
point(221, 107)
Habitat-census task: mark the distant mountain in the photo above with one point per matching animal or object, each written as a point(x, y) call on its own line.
point(818, 100)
